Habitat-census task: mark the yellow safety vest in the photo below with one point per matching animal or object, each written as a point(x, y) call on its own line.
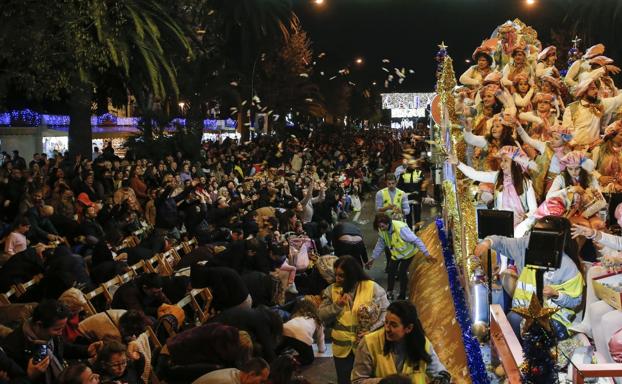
point(526, 287)
point(344, 331)
point(412, 176)
point(399, 248)
point(384, 365)
point(397, 200)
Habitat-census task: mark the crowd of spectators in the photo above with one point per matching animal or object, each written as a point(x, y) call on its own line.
point(65, 221)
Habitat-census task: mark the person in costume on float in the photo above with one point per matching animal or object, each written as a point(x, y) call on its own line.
point(541, 118)
point(546, 62)
point(523, 92)
point(490, 101)
point(612, 246)
point(583, 117)
point(342, 302)
point(484, 65)
point(518, 65)
point(549, 157)
point(550, 85)
point(574, 186)
point(513, 188)
point(391, 200)
point(400, 347)
point(563, 288)
point(403, 245)
point(486, 146)
point(608, 159)
point(582, 65)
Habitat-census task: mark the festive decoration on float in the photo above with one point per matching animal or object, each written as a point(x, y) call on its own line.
point(573, 54)
point(539, 344)
point(475, 362)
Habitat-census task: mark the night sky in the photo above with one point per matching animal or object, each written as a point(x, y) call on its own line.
point(407, 32)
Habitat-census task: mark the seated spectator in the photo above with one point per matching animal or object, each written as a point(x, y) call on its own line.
point(301, 330)
point(198, 350)
point(23, 266)
point(143, 294)
point(78, 374)
point(41, 228)
point(253, 371)
point(227, 286)
point(118, 365)
point(45, 328)
point(263, 325)
point(16, 242)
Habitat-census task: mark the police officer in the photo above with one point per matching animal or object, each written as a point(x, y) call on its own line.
point(411, 181)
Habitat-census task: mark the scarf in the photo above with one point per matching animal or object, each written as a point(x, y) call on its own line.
point(596, 108)
point(511, 200)
point(56, 366)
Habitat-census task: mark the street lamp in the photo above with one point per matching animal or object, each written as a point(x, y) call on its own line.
point(530, 2)
point(359, 60)
point(181, 106)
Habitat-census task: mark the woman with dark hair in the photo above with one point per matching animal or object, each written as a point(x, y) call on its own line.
point(513, 188)
point(576, 183)
point(500, 135)
point(607, 158)
point(563, 288)
point(400, 347)
point(342, 308)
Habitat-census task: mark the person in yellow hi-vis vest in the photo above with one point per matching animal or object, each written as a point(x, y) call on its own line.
point(392, 200)
point(563, 287)
point(399, 348)
point(341, 307)
point(402, 244)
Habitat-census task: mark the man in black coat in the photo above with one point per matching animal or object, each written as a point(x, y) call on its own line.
point(228, 288)
point(347, 239)
point(262, 324)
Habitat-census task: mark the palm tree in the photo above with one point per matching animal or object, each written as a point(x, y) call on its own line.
point(78, 41)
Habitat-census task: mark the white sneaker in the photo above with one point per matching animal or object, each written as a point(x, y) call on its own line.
point(292, 289)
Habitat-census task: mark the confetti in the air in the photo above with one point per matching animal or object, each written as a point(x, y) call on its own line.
point(411, 71)
point(309, 100)
point(304, 75)
point(351, 83)
point(322, 73)
point(211, 12)
point(244, 102)
point(234, 83)
point(333, 78)
point(384, 69)
point(321, 55)
point(386, 60)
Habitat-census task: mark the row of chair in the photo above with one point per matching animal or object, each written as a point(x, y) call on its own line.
point(163, 263)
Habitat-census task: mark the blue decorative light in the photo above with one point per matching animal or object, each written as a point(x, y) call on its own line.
point(5, 119)
point(230, 123)
point(107, 119)
point(25, 118)
point(210, 123)
point(128, 121)
point(55, 120)
point(475, 362)
point(179, 121)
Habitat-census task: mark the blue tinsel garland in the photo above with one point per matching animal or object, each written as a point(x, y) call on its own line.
point(475, 362)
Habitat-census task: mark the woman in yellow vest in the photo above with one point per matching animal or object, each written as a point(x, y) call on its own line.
point(402, 244)
point(342, 305)
point(563, 287)
point(399, 348)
